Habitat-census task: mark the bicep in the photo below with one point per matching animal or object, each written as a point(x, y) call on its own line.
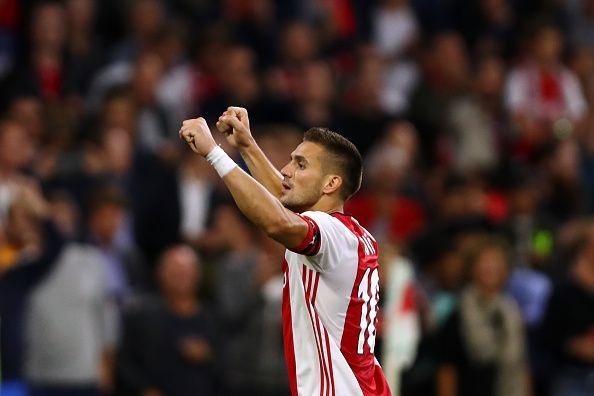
point(293, 231)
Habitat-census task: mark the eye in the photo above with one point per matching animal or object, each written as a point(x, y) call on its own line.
point(301, 165)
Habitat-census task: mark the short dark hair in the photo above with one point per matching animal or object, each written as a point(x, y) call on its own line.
point(107, 196)
point(487, 242)
point(347, 158)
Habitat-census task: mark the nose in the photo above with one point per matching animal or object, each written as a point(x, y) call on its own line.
point(287, 170)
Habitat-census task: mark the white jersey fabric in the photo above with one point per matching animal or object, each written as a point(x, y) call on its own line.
point(330, 305)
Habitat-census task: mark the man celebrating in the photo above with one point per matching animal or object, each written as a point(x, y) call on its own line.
point(331, 274)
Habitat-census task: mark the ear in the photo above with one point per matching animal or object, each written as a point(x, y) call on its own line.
point(332, 184)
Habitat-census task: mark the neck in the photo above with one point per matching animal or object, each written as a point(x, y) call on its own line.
point(328, 205)
point(182, 305)
point(584, 273)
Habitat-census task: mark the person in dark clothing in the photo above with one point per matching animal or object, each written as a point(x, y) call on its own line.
point(483, 342)
point(35, 244)
point(168, 345)
point(569, 324)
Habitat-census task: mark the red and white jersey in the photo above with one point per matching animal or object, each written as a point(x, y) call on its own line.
point(330, 305)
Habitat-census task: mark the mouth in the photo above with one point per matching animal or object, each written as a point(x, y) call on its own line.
point(286, 187)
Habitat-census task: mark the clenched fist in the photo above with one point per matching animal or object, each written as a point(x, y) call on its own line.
point(198, 136)
point(235, 125)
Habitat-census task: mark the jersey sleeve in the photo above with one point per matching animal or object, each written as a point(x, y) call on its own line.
point(324, 241)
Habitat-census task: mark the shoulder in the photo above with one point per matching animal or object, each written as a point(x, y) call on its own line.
point(82, 252)
point(317, 215)
point(337, 221)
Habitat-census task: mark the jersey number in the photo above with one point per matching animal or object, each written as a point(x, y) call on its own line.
point(369, 293)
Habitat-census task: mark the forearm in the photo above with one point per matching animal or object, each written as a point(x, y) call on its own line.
point(263, 209)
point(262, 169)
point(259, 205)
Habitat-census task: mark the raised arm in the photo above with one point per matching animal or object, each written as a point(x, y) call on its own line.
point(235, 125)
point(255, 202)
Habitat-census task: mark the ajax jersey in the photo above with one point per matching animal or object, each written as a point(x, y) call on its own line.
point(330, 305)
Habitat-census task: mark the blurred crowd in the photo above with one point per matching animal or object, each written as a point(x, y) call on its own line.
point(125, 268)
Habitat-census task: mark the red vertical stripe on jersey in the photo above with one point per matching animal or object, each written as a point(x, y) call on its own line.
point(318, 329)
point(288, 331)
point(329, 361)
point(306, 279)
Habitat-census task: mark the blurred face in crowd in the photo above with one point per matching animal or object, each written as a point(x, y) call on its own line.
point(548, 45)
point(64, 213)
point(120, 112)
point(16, 150)
point(22, 227)
point(489, 271)
point(106, 219)
point(524, 199)
point(582, 63)
point(147, 74)
point(179, 273)
point(27, 111)
point(277, 145)
point(170, 47)
point(449, 55)
point(394, 156)
point(450, 271)
point(237, 73)
point(565, 162)
point(117, 150)
point(298, 43)
point(494, 10)
point(80, 15)
point(146, 17)
point(368, 81)
point(49, 27)
point(304, 177)
point(490, 78)
point(587, 249)
point(317, 83)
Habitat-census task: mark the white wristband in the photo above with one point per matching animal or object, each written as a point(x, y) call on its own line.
point(219, 160)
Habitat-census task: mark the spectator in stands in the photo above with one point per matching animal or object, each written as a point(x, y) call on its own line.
point(168, 345)
point(109, 230)
point(144, 18)
point(395, 33)
point(16, 153)
point(382, 206)
point(483, 346)
point(569, 324)
point(439, 279)
point(541, 91)
point(248, 290)
point(29, 247)
point(445, 76)
point(72, 326)
point(477, 120)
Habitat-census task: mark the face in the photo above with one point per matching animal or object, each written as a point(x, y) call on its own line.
point(120, 113)
point(490, 270)
point(179, 274)
point(21, 227)
point(148, 73)
point(49, 26)
point(16, 149)
point(548, 45)
point(303, 177)
point(106, 220)
point(117, 149)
